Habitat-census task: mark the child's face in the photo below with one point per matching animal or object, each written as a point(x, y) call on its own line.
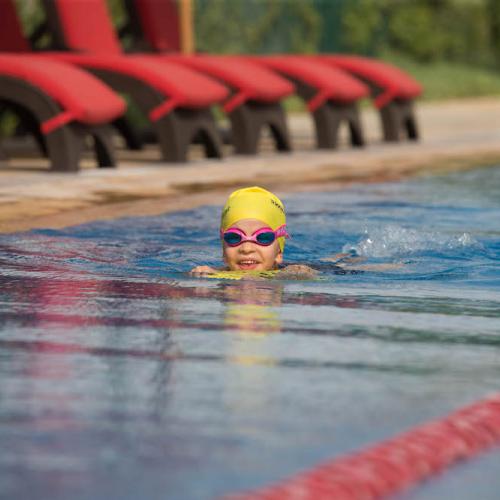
point(250, 256)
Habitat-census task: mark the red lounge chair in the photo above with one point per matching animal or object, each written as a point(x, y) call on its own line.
point(61, 105)
point(393, 92)
point(331, 94)
point(255, 97)
point(256, 92)
point(175, 99)
point(154, 24)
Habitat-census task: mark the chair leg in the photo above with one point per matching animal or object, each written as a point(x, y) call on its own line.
point(329, 117)
point(391, 122)
point(103, 146)
point(279, 128)
point(412, 129)
point(64, 147)
point(411, 123)
point(245, 130)
point(177, 130)
point(247, 122)
point(29, 124)
point(327, 123)
point(398, 119)
point(211, 144)
point(206, 133)
point(355, 126)
point(129, 134)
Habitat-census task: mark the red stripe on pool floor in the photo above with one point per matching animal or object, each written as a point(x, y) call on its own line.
point(396, 464)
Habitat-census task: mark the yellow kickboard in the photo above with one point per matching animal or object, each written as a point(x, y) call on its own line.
point(237, 275)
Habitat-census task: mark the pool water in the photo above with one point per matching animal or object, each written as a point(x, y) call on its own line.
point(123, 377)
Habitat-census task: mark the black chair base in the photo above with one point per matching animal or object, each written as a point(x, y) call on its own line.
point(330, 116)
point(183, 127)
point(398, 121)
point(248, 121)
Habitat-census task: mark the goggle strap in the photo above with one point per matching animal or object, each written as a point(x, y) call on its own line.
point(281, 232)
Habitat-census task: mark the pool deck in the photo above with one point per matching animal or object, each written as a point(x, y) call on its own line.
point(456, 135)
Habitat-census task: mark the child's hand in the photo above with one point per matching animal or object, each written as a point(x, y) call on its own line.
point(202, 271)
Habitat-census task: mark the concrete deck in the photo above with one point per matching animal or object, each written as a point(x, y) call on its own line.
point(455, 135)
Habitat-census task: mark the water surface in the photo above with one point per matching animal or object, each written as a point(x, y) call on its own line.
point(123, 377)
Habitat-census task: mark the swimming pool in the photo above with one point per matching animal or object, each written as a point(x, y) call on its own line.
point(122, 377)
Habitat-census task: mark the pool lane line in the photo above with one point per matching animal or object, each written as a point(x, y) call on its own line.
point(396, 464)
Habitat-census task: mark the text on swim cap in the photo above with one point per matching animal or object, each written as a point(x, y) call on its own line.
point(278, 205)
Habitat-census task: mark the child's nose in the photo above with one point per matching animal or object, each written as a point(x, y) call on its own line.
point(247, 247)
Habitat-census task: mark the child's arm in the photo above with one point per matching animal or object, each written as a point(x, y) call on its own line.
point(297, 271)
point(202, 270)
point(349, 262)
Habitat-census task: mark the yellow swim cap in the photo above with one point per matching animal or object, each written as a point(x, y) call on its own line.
point(254, 203)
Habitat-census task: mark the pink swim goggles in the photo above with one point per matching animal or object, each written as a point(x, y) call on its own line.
point(264, 236)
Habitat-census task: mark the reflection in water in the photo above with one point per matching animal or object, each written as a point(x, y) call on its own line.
point(252, 307)
point(69, 352)
point(252, 316)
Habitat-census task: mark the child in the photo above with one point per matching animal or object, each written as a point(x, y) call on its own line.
point(253, 233)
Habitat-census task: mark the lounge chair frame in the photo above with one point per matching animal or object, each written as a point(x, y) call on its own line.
point(397, 116)
point(329, 117)
point(65, 144)
point(176, 130)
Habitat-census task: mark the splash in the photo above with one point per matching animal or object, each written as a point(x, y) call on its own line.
point(398, 241)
